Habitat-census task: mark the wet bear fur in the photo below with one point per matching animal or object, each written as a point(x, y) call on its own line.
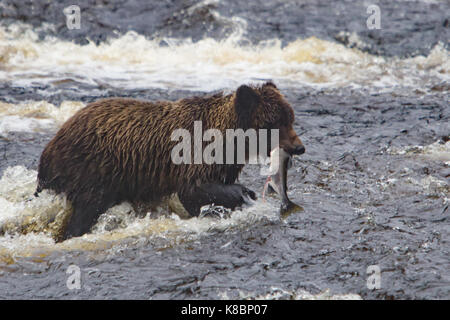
point(117, 149)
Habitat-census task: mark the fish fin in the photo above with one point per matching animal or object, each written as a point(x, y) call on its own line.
point(288, 208)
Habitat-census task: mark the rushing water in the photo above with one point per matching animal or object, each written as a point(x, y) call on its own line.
point(371, 106)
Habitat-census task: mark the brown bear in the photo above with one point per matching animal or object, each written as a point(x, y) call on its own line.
point(117, 149)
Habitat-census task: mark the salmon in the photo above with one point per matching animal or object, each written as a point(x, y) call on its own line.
point(280, 162)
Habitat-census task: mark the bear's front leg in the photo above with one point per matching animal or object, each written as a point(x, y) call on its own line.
point(230, 196)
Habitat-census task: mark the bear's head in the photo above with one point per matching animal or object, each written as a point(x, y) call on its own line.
point(264, 107)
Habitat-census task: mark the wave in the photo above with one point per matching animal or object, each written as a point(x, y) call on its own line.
point(29, 223)
point(134, 61)
point(35, 116)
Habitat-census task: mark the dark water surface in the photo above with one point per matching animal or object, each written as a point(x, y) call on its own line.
point(374, 182)
point(409, 27)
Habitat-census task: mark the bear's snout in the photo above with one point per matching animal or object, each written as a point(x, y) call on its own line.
point(299, 150)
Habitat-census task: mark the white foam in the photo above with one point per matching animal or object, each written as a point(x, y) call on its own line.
point(21, 124)
point(435, 151)
point(19, 207)
point(35, 116)
point(276, 293)
point(133, 61)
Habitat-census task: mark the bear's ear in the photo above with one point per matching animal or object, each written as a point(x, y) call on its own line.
point(245, 103)
point(270, 84)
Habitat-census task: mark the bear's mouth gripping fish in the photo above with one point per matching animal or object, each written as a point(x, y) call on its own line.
point(280, 162)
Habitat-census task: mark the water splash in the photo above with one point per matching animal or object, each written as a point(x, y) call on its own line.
point(30, 224)
point(133, 61)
